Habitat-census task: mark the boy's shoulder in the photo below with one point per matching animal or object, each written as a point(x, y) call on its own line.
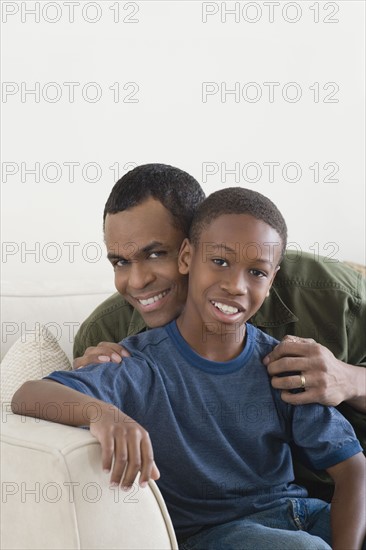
point(260, 338)
point(157, 341)
point(149, 341)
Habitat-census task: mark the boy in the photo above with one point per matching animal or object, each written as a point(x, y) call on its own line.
point(221, 434)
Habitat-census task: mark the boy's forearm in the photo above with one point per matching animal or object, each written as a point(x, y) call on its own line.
point(348, 507)
point(55, 402)
point(126, 446)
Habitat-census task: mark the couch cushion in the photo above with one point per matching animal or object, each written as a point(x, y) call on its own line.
point(33, 356)
point(60, 306)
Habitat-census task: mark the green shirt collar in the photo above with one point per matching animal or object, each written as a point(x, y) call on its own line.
point(273, 312)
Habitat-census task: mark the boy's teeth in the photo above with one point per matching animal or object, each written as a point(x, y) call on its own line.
point(224, 308)
point(153, 299)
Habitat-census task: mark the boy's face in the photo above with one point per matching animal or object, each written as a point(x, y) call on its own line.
point(231, 269)
point(143, 247)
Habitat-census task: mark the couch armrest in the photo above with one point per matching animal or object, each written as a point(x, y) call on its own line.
point(55, 494)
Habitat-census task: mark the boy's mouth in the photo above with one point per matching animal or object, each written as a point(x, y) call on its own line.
point(225, 308)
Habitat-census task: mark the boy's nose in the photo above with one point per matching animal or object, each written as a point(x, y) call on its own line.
point(236, 284)
point(139, 276)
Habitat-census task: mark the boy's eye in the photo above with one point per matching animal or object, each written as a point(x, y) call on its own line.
point(257, 273)
point(220, 262)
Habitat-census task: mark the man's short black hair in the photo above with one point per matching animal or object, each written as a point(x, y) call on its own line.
point(238, 200)
point(177, 191)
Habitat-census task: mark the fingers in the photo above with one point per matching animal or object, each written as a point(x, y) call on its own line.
point(133, 453)
point(299, 398)
point(155, 474)
point(290, 383)
point(140, 459)
point(286, 366)
point(107, 445)
point(148, 465)
point(120, 460)
point(297, 339)
point(104, 352)
point(300, 347)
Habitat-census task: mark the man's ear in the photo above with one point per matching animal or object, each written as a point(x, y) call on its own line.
point(273, 278)
point(184, 257)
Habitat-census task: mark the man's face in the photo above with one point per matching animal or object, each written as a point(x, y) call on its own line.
point(143, 246)
point(231, 270)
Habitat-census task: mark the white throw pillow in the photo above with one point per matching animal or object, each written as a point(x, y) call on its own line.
point(33, 356)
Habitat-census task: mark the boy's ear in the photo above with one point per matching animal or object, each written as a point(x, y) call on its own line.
point(273, 278)
point(184, 257)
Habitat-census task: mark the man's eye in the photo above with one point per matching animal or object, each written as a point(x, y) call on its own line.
point(120, 263)
point(220, 262)
point(157, 254)
point(257, 273)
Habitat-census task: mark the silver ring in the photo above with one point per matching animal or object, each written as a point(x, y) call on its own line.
point(303, 381)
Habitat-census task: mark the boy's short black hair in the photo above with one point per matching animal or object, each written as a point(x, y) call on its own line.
point(238, 200)
point(177, 191)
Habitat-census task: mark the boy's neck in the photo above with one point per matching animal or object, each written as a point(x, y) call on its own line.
point(220, 343)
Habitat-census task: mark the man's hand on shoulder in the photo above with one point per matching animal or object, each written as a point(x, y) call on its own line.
point(104, 352)
point(321, 377)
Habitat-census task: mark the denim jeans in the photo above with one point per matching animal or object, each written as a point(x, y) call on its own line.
point(298, 524)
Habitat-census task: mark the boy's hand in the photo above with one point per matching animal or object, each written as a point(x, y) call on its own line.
point(126, 448)
point(104, 352)
point(326, 379)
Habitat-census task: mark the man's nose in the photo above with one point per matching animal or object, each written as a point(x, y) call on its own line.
point(235, 283)
point(140, 276)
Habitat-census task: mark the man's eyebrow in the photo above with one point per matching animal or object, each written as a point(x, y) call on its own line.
point(114, 256)
point(150, 247)
point(142, 251)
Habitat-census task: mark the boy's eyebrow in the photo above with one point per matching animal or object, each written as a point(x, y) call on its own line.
point(224, 246)
point(145, 250)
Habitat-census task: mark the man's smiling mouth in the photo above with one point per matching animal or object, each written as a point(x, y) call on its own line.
point(152, 299)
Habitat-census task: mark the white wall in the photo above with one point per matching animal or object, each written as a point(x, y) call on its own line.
point(168, 50)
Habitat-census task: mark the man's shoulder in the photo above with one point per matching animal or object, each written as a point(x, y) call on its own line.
point(114, 304)
point(306, 271)
point(110, 321)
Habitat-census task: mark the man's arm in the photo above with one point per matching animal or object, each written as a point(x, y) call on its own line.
point(123, 441)
point(348, 508)
point(328, 380)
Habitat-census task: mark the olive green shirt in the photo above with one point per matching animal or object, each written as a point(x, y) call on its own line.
point(311, 298)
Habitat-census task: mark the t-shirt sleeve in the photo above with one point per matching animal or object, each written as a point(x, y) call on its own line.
point(125, 385)
point(322, 435)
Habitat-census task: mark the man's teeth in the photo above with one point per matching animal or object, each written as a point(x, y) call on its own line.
point(153, 299)
point(225, 308)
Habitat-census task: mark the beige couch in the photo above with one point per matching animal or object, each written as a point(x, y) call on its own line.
point(54, 492)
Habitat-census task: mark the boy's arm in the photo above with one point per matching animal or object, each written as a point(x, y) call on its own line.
point(348, 508)
point(123, 441)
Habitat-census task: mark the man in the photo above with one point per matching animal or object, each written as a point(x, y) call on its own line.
point(320, 305)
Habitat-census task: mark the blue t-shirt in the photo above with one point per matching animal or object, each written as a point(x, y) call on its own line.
point(221, 434)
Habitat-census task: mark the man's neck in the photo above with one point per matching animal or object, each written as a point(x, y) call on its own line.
point(216, 341)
